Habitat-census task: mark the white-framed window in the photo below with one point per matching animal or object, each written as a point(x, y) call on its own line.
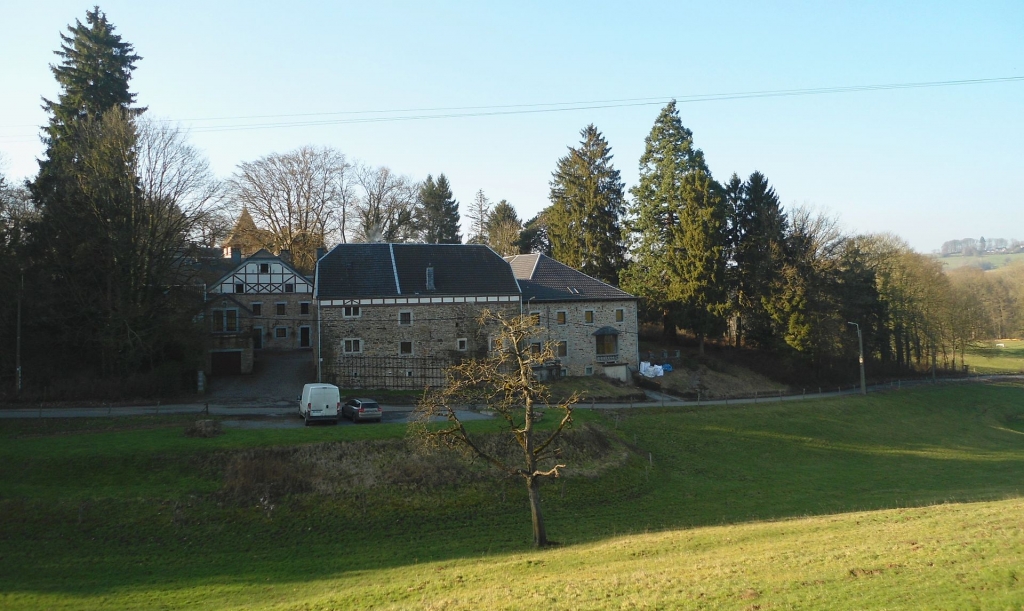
point(620, 315)
point(562, 348)
point(561, 317)
point(535, 348)
point(408, 373)
point(462, 344)
point(535, 318)
point(494, 344)
point(304, 308)
point(588, 317)
point(405, 348)
point(280, 332)
point(588, 370)
point(289, 288)
point(352, 346)
point(405, 318)
point(281, 308)
point(351, 312)
point(257, 308)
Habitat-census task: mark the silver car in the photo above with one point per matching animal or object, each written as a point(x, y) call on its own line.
point(362, 409)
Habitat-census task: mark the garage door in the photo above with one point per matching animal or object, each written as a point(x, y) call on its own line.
point(226, 363)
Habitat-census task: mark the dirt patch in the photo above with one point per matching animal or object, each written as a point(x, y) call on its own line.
point(720, 382)
point(338, 468)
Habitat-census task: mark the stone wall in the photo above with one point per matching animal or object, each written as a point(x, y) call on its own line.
point(431, 334)
point(289, 324)
point(579, 334)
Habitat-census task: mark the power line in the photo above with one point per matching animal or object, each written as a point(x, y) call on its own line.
point(460, 112)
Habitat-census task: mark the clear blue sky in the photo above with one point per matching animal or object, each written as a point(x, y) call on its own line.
point(929, 164)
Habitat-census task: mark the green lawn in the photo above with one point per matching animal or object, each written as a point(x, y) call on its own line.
point(989, 357)
point(903, 500)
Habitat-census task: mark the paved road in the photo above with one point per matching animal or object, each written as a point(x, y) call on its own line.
point(287, 408)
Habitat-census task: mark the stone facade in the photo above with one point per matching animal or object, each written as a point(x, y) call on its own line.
point(401, 345)
point(283, 321)
point(581, 356)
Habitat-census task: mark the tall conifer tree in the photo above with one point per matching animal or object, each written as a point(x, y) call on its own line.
point(587, 203)
point(438, 212)
point(658, 199)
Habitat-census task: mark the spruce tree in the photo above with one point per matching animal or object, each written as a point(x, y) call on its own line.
point(654, 215)
point(758, 234)
point(587, 203)
point(438, 212)
point(503, 229)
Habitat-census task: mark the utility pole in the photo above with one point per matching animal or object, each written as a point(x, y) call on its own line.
point(860, 344)
point(17, 341)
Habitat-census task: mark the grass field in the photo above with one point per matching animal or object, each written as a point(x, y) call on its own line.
point(989, 357)
point(986, 262)
point(905, 500)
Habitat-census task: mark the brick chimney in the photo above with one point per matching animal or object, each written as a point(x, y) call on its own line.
point(286, 255)
point(236, 254)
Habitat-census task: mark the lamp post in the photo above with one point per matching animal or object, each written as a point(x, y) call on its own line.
point(860, 345)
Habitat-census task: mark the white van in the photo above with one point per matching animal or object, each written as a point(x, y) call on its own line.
point(319, 402)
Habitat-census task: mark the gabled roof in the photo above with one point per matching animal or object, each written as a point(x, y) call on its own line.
point(544, 279)
point(353, 271)
point(227, 267)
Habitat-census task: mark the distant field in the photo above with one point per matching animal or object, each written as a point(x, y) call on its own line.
point(989, 357)
point(986, 262)
point(900, 500)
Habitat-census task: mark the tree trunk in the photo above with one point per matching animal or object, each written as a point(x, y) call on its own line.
point(700, 344)
point(540, 536)
point(668, 327)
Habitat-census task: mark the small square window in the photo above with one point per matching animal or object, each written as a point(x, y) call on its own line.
point(495, 344)
point(588, 370)
point(405, 318)
point(264, 268)
point(257, 309)
point(535, 318)
point(562, 348)
point(281, 308)
point(280, 332)
point(561, 317)
point(351, 312)
point(289, 288)
point(239, 288)
point(535, 348)
point(462, 344)
point(405, 348)
point(304, 307)
point(620, 315)
point(588, 317)
point(352, 346)
point(408, 373)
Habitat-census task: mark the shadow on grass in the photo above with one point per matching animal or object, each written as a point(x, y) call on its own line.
point(690, 468)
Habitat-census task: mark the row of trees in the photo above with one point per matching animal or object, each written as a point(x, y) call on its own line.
point(970, 247)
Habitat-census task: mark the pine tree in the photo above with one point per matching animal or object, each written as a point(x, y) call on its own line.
point(758, 229)
point(587, 203)
point(503, 229)
point(658, 201)
point(438, 212)
point(479, 213)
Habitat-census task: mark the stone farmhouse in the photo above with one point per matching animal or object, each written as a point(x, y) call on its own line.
point(593, 324)
point(394, 315)
point(257, 303)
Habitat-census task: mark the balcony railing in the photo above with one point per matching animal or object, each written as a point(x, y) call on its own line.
point(608, 358)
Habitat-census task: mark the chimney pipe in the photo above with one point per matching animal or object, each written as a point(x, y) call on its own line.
point(430, 278)
point(236, 254)
point(286, 256)
point(320, 252)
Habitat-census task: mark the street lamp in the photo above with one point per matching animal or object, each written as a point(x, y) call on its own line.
point(860, 344)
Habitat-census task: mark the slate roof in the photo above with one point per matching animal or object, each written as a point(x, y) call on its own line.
point(544, 279)
point(352, 271)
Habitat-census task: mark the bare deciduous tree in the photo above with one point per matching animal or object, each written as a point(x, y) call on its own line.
point(386, 208)
point(503, 381)
point(302, 197)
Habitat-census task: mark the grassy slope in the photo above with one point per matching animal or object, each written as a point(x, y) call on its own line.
point(997, 261)
point(986, 357)
point(119, 519)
